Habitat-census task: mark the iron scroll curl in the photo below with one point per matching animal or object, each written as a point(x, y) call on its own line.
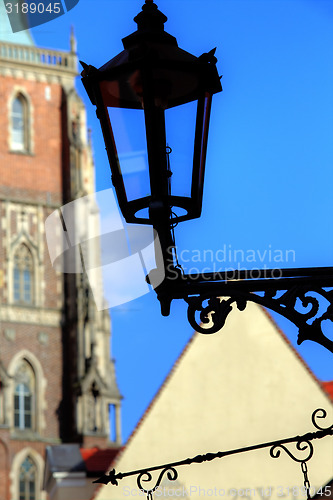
point(171, 473)
point(320, 413)
point(301, 446)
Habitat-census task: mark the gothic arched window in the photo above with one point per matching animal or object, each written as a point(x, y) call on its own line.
point(27, 480)
point(23, 275)
point(24, 396)
point(19, 124)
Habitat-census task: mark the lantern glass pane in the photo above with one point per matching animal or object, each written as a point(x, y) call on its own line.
point(180, 132)
point(129, 131)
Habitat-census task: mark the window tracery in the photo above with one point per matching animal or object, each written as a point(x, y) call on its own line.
point(24, 396)
point(27, 479)
point(23, 275)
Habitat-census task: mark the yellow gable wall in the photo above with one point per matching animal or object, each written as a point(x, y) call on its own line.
point(242, 386)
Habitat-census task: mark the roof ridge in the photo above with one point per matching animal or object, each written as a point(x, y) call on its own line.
point(159, 390)
point(297, 354)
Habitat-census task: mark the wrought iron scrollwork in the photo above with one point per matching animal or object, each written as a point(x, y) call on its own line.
point(303, 444)
point(208, 313)
point(171, 473)
point(212, 316)
point(300, 445)
point(320, 413)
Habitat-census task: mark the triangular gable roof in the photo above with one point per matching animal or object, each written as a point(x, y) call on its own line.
point(325, 387)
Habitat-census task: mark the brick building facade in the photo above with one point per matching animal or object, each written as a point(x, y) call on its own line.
point(56, 379)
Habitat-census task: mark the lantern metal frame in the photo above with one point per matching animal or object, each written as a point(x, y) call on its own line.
point(296, 294)
point(150, 69)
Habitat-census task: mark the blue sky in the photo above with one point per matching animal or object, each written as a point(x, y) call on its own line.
point(269, 164)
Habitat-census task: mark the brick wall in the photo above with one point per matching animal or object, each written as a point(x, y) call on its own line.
point(45, 344)
point(32, 176)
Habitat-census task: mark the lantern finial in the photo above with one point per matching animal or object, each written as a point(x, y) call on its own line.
point(150, 19)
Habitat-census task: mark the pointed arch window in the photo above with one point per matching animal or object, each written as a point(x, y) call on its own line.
point(92, 408)
point(19, 124)
point(23, 275)
point(27, 480)
point(24, 396)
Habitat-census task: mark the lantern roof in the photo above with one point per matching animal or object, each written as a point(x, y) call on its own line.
point(150, 23)
point(183, 75)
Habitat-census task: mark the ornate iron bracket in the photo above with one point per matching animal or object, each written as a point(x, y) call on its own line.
point(303, 296)
point(303, 445)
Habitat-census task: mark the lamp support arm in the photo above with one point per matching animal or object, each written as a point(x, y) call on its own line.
point(304, 296)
